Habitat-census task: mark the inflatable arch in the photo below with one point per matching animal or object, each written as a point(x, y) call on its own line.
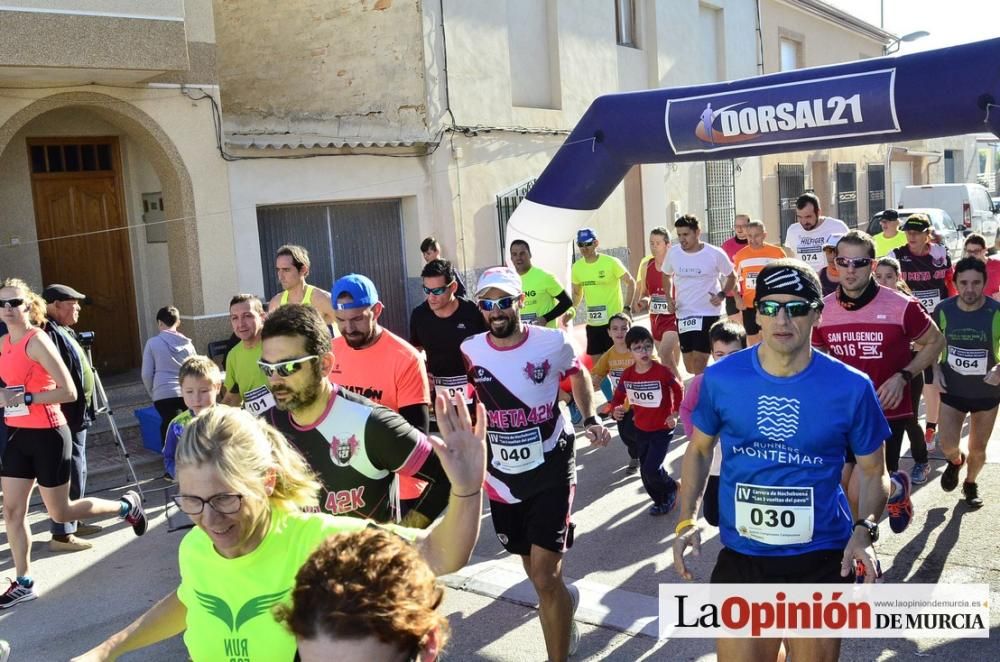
point(949, 91)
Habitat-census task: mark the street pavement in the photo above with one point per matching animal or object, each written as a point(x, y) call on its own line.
point(620, 556)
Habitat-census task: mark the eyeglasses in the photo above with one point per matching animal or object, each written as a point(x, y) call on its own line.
point(11, 303)
point(645, 348)
point(224, 504)
point(970, 251)
point(855, 262)
point(285, 368)
point(585, 244)
point(437, 291)
point(792, 308)
point(486, 305)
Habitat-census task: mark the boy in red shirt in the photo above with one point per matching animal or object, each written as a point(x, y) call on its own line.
point(655, 396)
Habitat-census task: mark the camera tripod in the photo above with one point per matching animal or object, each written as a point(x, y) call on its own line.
point(103, 406)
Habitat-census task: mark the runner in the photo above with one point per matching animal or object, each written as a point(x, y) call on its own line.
point(605, 375)
point(870, 328)
point(292, 264)
point(545, 300)
point(927, 270)
point(245, 383)
point(355, 446)
point(38, 441)
point(829, 277)
point(781, 444)
point(968, 375)
point(531, 466)
point(598, 277)
point(430, 248)
point(732, 246)
point(806, 237)
point(695, 269)
point(890, 237)
point(245, 487)
point(975, 246)
point(747, 263)
point(649, 294)
point(439, 325)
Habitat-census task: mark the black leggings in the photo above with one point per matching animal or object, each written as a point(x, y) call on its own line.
point(918, 449)
point(167, 408)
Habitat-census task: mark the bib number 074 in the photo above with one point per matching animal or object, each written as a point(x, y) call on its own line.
point(772, 518)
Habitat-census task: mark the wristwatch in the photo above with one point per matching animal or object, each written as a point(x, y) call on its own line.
point(28, 398)
point(871, 526)
point(592, 420)
point(907, 375)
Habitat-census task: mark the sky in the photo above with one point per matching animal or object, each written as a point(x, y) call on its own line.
point(950, 22)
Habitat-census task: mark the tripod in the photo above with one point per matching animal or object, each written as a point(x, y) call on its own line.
point(103, 406)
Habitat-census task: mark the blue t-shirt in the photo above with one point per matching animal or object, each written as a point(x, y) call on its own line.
point(783, 446)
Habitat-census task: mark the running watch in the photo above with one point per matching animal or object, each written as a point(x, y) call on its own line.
point(907, 375)
point(871, 526)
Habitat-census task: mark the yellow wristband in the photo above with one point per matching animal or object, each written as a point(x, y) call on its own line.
point(683, 524)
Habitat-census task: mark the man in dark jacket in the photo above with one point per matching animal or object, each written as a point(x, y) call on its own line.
point(63, 311)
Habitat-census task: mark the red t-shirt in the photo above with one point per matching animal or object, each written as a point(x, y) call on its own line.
point(657, 295)
point(654, 395)
point(875, 338)
point(992, 276)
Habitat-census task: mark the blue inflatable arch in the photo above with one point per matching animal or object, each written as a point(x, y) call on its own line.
point(936, 93)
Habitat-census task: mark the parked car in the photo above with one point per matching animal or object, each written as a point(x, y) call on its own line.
point(952, 236)
point(969, 204)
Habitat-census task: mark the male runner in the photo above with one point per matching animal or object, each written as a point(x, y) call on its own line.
point(531, 470)
point(649, 293)
point(245, 384)
point(968, 375)
point(782, 452)
point(439, 325)
point(806, 237)
point(747, 263)
point(355, 446)
point(732, 246)
point(430, 248)
point(871, 328)
point(597, 277)
point(890, 237)
point(695, 270)
point(926, 268)
point(292, 264)
point(975, 246)
point(545, 300)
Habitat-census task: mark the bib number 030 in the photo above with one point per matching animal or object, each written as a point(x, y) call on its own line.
point(772, 518)
point(774, 515)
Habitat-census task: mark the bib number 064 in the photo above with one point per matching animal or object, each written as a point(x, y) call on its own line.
point(772, 518)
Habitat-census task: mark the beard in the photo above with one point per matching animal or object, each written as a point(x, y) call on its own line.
point(503, 327)
point(359, 340)
point(298, 399)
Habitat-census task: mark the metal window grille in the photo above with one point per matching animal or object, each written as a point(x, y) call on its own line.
point(720, 200)
point(847, 193)
point(876, 188)
point(791, 184)
point(507, 202)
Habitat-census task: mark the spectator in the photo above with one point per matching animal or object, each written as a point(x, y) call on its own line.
point(431, 250)
point(161, 362)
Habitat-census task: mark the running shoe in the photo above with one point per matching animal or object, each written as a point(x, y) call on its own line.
point(658, 509)
point(575, 416)
point(918, 474)
point(71, 544)
point(971, 492)
point(574, 631)
point(929, 438)
point(135, 516)
point(84, 529)
point(900, 507)
point(949, 479)
point(633, 467)
point(16, 593)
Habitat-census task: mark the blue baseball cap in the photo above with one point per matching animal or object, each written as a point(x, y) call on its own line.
point(585, 235)
point(360, 288)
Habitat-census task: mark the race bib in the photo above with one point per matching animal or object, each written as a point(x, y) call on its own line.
point(750, 281)
point(810, 254)
point(644, 394)
point(774, 515)
point(597, 315)
point(688, 324)
point(658, 305)
point(614, 377)
point(929, 299)
point(450, 387)
point(529, 318)
point(258, 400)
point(16, 410)
point(968, 361)
point(516, 452)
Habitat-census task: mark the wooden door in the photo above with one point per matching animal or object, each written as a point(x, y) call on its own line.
point(84, 241)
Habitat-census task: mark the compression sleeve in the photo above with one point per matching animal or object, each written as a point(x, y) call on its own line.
point(418, 416)
point(563, 303)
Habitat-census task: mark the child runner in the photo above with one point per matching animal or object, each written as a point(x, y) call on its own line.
point(200, 381)
point(726, 338)
point(611, 365)
point(655, 395)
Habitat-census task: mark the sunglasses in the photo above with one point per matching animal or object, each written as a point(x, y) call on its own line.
point(486, 305)
point(437, 291)
point(792, 308)
point(11, 303)
point(285, 368)
point(585, 244)
point(855, 262)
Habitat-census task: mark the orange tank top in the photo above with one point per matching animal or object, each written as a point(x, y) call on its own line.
point(17, 369)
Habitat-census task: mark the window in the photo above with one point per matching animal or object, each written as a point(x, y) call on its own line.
point(507, 202)
point(77, 157)
point(534, 57)
point(625, 23)
point(711, 45)
point(791, 54)
point(949, 166)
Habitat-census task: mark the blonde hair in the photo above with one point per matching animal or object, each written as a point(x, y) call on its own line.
point(246, 451)
point(36, 305)
point(200, 367)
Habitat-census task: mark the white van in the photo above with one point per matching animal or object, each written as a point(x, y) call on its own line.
point(969, 204)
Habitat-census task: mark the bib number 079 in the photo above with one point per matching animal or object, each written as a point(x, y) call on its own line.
point(772, 518)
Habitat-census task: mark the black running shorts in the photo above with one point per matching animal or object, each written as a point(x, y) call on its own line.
point(696, 341)
point(542, 520)
point(43, 454)
point(968, 405)
point(598, 339)
point(820, 567)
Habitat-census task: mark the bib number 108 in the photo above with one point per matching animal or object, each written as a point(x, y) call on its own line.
point(514, 454)
point(772, 518)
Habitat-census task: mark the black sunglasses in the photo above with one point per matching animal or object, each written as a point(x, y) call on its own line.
point(792, 308)
point(585, 244)
point(855, 262)
point(11, 303)
point(437, 291)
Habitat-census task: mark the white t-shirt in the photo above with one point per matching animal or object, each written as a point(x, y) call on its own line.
point(807, 245)
point(696, 276)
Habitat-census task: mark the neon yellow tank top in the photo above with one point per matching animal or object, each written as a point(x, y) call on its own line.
point(306, 300)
